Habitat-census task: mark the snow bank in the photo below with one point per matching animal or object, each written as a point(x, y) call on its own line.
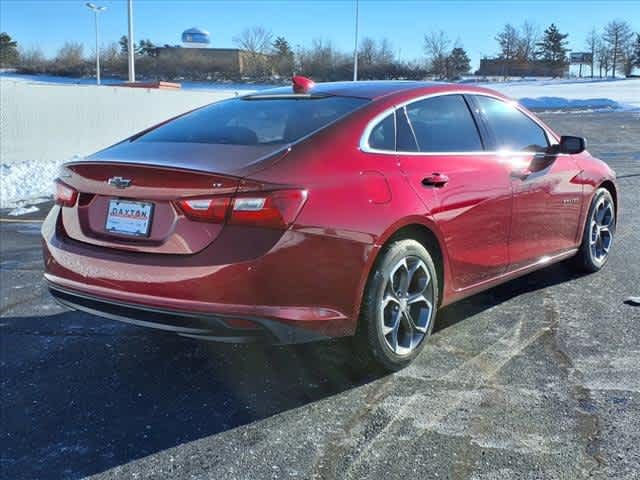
point(43, 125)
point(24, 183)
point(573, 94)
point(557, 103)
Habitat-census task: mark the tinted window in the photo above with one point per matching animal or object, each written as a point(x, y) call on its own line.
point(254, 122)
point(444, 124)
point(512, 129)
point(383, 136)
point(406, 141)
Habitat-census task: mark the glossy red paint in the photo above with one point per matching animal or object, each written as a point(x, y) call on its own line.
point(490, 218)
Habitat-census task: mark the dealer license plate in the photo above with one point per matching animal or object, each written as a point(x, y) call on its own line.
point(129, 218)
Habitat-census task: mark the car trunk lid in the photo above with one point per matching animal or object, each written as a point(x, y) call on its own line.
point(156, 175)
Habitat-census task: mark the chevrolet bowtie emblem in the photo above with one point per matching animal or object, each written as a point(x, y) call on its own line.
point(119, 182)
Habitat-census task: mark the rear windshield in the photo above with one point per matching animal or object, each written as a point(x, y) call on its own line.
point(261, 121)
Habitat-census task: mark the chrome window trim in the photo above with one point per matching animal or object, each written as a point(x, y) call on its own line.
point(364, 138)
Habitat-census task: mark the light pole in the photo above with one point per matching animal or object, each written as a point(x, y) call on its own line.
point(130, 45)
point(96, 10)
point(355, 49)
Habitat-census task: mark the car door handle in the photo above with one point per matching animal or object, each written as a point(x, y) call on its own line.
point(435, 180)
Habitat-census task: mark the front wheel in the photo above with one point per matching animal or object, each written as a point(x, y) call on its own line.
point(399, 305)
point(599, 230)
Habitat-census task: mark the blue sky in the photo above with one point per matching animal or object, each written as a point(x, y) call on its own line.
point(49, 23)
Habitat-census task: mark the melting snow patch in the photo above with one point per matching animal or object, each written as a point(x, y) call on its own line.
point(22, 211)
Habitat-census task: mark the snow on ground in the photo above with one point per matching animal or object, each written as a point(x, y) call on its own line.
point(580, 94)
point(22, 211)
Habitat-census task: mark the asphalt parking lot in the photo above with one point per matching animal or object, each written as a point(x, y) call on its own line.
point(538, 378)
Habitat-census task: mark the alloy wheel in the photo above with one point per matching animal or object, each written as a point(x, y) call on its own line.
point(407, 305)
point(601, 230)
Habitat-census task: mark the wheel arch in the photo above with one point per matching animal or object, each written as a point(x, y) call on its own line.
point(425, 233)
point(611, 188)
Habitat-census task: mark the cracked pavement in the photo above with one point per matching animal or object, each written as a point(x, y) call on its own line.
point(537, 378)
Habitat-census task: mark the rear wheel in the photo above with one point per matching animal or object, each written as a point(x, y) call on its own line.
point(599, 231)
point(399, 306)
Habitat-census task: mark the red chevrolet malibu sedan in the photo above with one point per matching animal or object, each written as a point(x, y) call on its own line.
point(319, 211)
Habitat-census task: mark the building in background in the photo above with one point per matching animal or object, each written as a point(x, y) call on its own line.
point(195, 52)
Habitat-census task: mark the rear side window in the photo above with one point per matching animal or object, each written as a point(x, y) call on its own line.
point(263, 121)
point(383, 135)
point(512, 130)
point(444, 124)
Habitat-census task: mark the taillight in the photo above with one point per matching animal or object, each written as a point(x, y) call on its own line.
point(64, 194)
point(212, 209)
point(276, 209)
point(269, 209)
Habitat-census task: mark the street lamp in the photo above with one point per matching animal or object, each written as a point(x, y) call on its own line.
point(130, 45)
point(96, 10)
point(355, 49)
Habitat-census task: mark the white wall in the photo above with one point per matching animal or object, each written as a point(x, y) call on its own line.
point(44, 122)
point(43, 125)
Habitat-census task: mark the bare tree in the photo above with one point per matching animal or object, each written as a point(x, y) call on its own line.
point(385, 52)
point(70, 59)
point(436, 46)
point(629, 56)
point(367, 51)
point(526, 42)
point(322, 61)
point(112, 60)
point(617, 35)
point(603, 55)
point(257, 42)
point(33, 60)
point(591, 43)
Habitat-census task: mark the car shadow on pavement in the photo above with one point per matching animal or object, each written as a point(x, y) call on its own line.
point(81, 395)
point(547, 277)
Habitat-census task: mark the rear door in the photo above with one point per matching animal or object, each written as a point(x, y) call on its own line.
point(547, 199)
point(465, 188)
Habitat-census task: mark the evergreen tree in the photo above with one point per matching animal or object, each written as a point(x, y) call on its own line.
point(459, 63)
point(282, 57)
point(508, 39)
point(124, 44)
point(8, 50)
point(146, 48)
point(553, 49)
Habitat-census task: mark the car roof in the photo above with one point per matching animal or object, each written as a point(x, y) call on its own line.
point(372, 89)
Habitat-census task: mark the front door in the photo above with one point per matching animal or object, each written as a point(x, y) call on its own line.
point(546, 197)
point(467, 191)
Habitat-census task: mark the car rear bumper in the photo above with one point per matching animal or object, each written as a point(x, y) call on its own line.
point(286, 299)
point(189, 324)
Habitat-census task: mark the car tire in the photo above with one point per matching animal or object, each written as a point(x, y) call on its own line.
point(399, 306)
point(598, 234)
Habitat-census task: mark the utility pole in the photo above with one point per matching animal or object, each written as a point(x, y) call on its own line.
point(96, 10)
point(355, 49)
point(130, 45)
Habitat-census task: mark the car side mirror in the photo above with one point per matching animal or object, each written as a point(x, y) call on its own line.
point(572, 145)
